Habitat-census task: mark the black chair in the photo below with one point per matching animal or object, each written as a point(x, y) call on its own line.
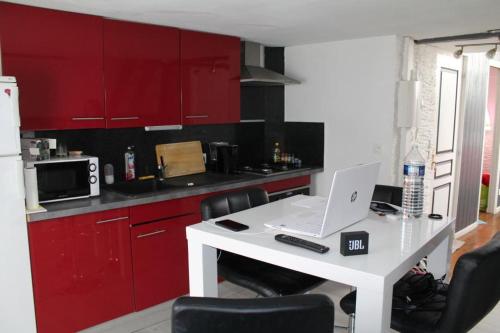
point(289, 314)
point(389, 194)
point(265, 279)
point(472, 293)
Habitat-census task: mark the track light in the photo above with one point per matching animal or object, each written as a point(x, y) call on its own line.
point(458, 53)
point(491, 53)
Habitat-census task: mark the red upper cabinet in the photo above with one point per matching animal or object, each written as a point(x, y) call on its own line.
point(57, 59)
point(81, 269)
point(141, 75)
point(210, 78)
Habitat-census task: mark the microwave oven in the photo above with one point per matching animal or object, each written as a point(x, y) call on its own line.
point(66, 178)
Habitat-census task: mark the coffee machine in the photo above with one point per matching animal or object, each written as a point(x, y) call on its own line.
point(223, 157)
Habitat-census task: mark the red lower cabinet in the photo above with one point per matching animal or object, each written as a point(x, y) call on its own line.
point(91, 268)
point(159, 256)
point(81, 268)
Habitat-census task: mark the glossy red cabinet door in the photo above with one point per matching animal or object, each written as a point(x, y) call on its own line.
point(81, 268)
point(210, 78)
point(159, 256)
point(141, 75)
point(57, 59)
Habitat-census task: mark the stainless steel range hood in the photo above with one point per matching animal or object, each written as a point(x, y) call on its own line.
point(253, 72)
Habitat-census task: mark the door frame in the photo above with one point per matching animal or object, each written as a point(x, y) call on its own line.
point(494, 175)
point(460, 137)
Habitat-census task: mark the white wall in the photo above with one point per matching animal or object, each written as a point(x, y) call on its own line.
point(351, 87)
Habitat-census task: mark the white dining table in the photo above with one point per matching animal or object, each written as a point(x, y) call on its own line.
point(395, 246)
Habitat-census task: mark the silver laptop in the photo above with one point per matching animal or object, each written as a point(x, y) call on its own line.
point(349, 201)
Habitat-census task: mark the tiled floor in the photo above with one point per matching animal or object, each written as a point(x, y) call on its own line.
point(157, 319)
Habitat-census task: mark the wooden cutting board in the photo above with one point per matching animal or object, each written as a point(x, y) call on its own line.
point(184, 158)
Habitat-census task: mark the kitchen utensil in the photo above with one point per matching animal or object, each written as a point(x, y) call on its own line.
point(61, 150)
point(179, 159)
point(109, 174)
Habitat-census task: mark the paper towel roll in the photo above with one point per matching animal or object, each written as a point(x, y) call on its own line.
point(31, 188)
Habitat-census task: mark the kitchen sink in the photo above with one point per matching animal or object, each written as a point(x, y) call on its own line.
point(154, 185)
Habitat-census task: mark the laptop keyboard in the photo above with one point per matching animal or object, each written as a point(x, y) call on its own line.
point(309, 222)
point(313, 203)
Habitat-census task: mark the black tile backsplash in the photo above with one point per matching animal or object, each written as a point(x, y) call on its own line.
point(256, 141)
point(110, 144)
point(305, 140)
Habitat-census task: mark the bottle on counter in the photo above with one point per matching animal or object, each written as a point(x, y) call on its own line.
point(130, 163)
point(413, 184)
point(276, 153)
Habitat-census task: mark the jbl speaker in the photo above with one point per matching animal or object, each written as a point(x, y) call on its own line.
point(353, 243)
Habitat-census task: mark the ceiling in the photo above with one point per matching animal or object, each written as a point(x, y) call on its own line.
point(294, 22)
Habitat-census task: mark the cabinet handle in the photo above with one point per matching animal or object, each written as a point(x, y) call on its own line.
point(151, 234)
point(125, 118)
point(200, 116)
point(87, 118)
point(112, 220)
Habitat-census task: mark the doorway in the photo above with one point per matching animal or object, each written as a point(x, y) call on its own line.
point(490, 199)
point(444, 159)
point(450, 133)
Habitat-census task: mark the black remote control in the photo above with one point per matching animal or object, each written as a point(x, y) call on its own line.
point(301, 243)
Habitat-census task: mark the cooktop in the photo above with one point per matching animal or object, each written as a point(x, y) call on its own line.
point(269, 168)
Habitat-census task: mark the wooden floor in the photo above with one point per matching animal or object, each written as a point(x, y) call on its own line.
point(474, 239)
point(479, 236)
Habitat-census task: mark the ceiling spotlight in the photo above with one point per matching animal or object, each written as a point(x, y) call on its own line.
point(491, 53)
point(458, 53)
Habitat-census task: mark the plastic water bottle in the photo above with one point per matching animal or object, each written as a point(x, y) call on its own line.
point(413, 184)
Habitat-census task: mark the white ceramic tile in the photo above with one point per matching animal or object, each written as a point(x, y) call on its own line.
point(490, 324)
point(163, 327)
point(158, 318)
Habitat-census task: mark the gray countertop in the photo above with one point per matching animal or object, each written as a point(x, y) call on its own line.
point(112, 200)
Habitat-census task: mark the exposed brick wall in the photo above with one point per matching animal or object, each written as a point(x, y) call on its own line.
point(426, 67)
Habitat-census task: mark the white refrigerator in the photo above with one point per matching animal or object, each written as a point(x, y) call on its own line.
point(17, 312)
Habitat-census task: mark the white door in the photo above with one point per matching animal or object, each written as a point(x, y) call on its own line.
point(444, 164)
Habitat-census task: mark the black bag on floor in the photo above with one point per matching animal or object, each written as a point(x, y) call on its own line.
point(418, 292)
